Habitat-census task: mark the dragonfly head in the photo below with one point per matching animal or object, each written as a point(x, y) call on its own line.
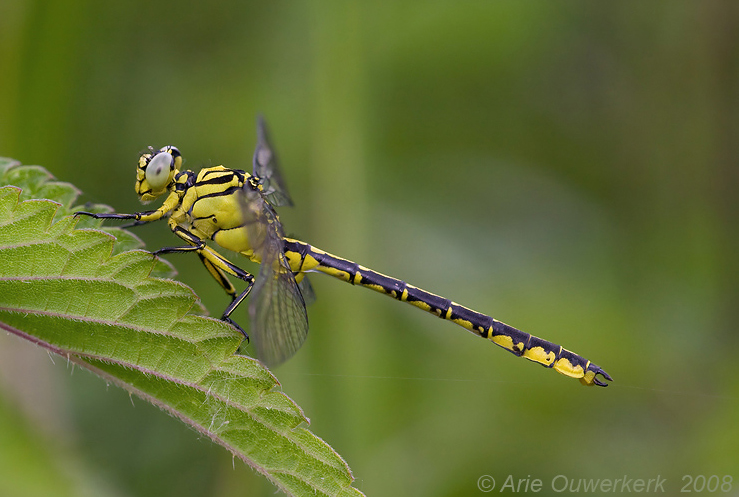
point(156, 172)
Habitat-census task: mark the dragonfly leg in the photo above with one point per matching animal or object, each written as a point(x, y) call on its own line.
point(235, 303)
point(106, 215)
point(139, 218)
point(195, 243)
point(218, 267)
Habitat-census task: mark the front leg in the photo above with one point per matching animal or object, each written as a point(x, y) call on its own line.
point(105, 215)
point(139, 217)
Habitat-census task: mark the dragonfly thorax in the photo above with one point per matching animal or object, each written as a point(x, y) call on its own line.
point(213, 206)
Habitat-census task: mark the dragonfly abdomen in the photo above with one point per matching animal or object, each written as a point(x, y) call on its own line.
point(304, 257)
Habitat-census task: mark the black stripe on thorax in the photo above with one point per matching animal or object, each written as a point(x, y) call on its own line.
point(223, 177)
point(215, 170)
point(228, 191)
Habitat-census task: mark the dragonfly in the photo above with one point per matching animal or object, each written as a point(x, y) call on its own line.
point(236, 210)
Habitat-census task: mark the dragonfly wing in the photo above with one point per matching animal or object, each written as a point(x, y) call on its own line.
point(306, 289)
point(279, 321)
point(266, 168)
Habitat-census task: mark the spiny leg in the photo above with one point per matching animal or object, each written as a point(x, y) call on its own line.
point(195, 243)
point(218, 267)
point(138, 217)
point(107, 215)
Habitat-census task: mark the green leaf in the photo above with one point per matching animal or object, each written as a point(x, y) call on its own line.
point(83, 294)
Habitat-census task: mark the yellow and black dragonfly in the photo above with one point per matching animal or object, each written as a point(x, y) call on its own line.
point(235, 209)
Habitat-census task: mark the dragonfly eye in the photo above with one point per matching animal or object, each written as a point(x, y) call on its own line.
point(158, 169)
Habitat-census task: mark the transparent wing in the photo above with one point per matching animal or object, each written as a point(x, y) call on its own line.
point(306, 289)
point(266, 168)
point(279, 322)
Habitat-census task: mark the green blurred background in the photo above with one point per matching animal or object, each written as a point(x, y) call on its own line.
point(567, 167)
